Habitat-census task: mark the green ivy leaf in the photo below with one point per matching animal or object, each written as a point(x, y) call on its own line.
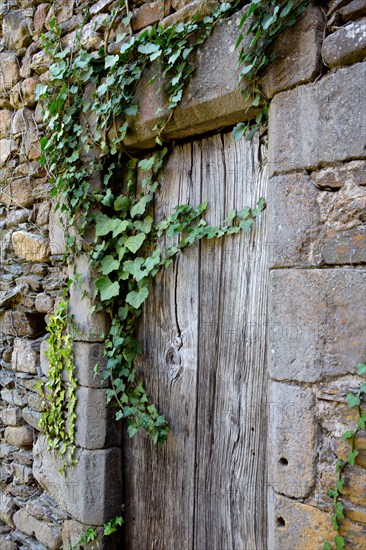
point(353, 400)
point(110, 61)
point(139, 208)
point(137, 298)
point(327, 546)
point(339, 542)
point(239, 131)
point(348, 435)
point(107, 288)
point(105, 225)
point(361, 369)
point(339, 510)
point(135, 242)
point(352, 457)
point(109, 264)
point(146, 164)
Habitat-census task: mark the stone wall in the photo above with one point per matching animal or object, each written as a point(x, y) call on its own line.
point(316, 209)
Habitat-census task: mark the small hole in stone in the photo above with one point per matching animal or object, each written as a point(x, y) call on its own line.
point(280, 522)
point(283, 461)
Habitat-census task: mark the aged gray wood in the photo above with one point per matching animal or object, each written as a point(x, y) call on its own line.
point(203, 334)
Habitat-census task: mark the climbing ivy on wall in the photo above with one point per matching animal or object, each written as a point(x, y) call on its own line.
point(88, 109)
point(263, 21)
point(354, 401)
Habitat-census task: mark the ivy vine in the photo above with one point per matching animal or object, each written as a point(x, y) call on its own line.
point(59, 392)
point(265, 20)
point(354, 400)
point(88, 109)
point(88, 106)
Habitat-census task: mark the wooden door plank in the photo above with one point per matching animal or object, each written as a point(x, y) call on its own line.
point(230, 481)
point(159, 480)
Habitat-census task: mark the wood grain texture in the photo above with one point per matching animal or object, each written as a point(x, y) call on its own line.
point(203, 336)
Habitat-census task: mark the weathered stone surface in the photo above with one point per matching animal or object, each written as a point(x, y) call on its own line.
point(7, 508)
point(13, 397)
point(27, 542)
point(17, 30)
point(41, 212)
point(353, 10)
point(9, 74)
point(335, 177)
point(48, 534)
point(44, 302)
point(40, 17)
point(96, 427)
point(86, 357)
point(32, 417)
point(345, 46)
point(147, 14)
point(345, 247)
point(30, 246)
point(22, 95)
point(317, 323)
point(211, 100)
point(332, 131)
point(299, 48)
point(72, 531)
point(194, 8)
point(295, 525)
point(91, 491)
point(308, 227)
point(18, 192)
point(91, 327)
point(22, 474)
point(25, 356)
point(56, 233)
point(22, 323)
point(7, 148)
point(11, 416)
point(292, 452)
point(5, 123)
point(21, 436)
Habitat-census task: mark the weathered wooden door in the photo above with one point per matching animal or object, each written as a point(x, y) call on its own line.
point(203, 334)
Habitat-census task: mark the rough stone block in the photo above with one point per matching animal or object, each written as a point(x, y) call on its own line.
point(90, 492)
point(22, 474)
point(17, 192)
point(17, 29)
point(21, 436)
point(317, 324)
point(48, 534)
point(91, 326)
point(333, 129)
point(292, 452)
point(297, 48)
point(9, 75)
point(40, 15)
point(5, 123)
point(22, 323)
point(86, 357)
point(11, 416)
point(295, 525)
point(44, 302)
point(211, 100)
point(7, 508)
point(195, 8)
point(147, 14)
point(32, 417)
point(353, 10)
point(7, 148)
point(25, 357)
point(309, 226)
point(57, 233)
point(96, 427)
point(346, 45)
point(30, 246)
